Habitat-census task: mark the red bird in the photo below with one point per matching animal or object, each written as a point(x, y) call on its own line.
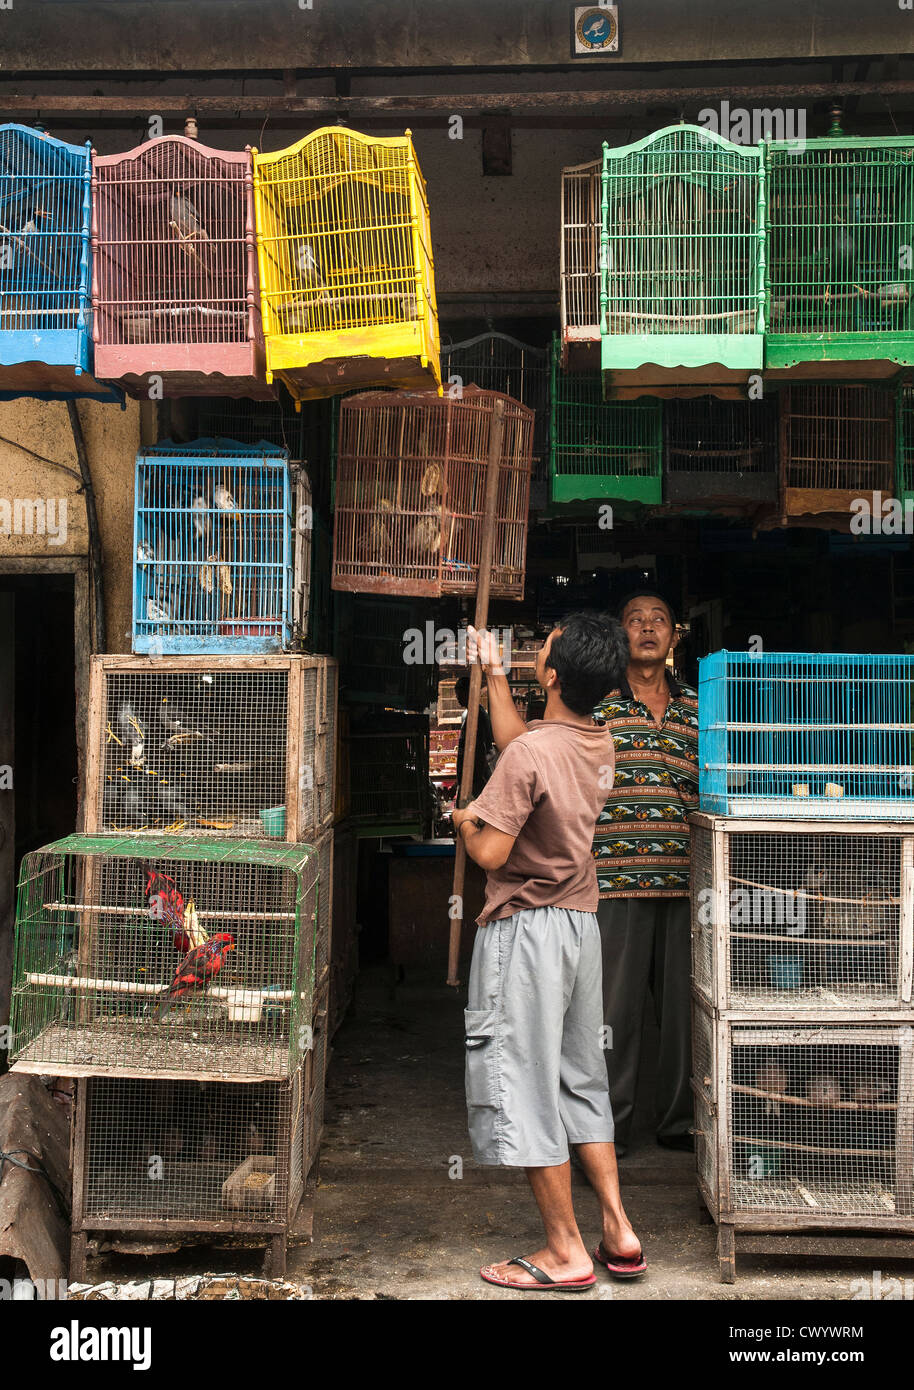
point(197, 968)
point(166, 904)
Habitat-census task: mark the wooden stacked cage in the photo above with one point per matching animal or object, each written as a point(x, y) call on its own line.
point(803, 955)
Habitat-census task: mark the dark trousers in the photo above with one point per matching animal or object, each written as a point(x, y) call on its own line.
point(646, 947)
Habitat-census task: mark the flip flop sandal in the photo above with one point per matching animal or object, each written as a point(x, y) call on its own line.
point(622, 1266)
point(543, 1280)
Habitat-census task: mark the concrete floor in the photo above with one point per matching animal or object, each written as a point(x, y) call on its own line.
point(392, 1223)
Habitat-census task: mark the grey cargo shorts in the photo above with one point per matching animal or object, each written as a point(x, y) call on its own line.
point(535, 1069)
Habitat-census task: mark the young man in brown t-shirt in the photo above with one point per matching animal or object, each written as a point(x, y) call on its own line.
point(535, 1072)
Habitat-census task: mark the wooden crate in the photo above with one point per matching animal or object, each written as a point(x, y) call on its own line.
point(215, 742)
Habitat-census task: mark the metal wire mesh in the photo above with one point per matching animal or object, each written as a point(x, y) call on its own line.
point(212, 548)
point(498, 362)
point(318, 1076)
point(345, 264)
point(840, 225)
point(800, 918)
point(807, 735)
point(821, 1120)
point(372, 647)
point(148, 956)
point(839, 444)
point(388, 769)
point(324, 945)
point(410, 494)
point(681, 247)
point(581, 229)
point(204, 1154)
point(597, 448)
point(174, 286)
point(183, 745)
point(721, 451)
point(704, 1082)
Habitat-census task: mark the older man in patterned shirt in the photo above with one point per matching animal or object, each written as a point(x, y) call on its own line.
point(641, 848)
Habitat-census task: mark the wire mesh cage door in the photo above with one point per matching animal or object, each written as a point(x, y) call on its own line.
point(213, 562)
point(840, 228)
point(804, 735)
point(323, 935)
point(388, 769)
point(821, 1124)
point(45, 263)
point(682, 265)
point(161, 1156)
point(144, 956)
point(837, 445)
point(602, 449)
point(375, 644)
point(802, 917)
point(705, 1084)
point(721, 452)
point(243, 747)
point(317, 1076)
point(346, 269)
point(580, 269)
point(410, 494)
point(175, 285)
point(498, 362)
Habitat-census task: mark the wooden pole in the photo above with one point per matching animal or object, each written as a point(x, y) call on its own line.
point(465, 790)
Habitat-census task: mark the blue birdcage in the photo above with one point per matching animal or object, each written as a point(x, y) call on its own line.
point(807, 735)
point(212, 548)
point(45, 266)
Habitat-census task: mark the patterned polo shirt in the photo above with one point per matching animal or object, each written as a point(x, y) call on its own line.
point(641, 843)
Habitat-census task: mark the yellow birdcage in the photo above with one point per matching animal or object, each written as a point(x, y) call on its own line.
point(346, 275)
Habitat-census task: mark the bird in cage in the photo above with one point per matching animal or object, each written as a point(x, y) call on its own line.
point(157, 612)
point(198, 968)
point(866, 1089)
point(200, 507)
point(224, 501)
point(823, 1090)
point(310, 273)
point(772, 1078)
point(186, 224)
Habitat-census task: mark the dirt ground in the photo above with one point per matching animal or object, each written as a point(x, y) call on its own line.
point(402, 1212)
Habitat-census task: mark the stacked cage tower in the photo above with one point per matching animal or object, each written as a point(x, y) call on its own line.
point(802, 952)
point(176, 958)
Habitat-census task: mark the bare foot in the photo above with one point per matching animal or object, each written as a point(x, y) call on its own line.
point(578, 1266)
point(620, 1239)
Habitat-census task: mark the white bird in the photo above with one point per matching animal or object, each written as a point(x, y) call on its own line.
point(157, 612)
point(145, 553)
point(201, 521)
point(308, 267)
point(223, 498)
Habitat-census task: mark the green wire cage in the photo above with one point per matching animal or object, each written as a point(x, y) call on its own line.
point(682, 258)
point(149, 956)
point(600, 449)
point(840, 233)
point(837, 445)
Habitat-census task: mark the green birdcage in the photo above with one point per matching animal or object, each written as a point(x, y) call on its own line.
point(601, 449)
point(682, 258)
point(105, 978)
point(904, 444)
point(840, 237)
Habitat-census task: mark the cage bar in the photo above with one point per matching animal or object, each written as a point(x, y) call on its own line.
point(324, 943)
point(148, 956)
point(601, 449)
point(682, 281)
point(498, 362)
point(388, 766)
point(374, 646)
point(346, 271)
point(801, 917)
point(175, 287)
point(721, 453)
point(410, 494)
point(242, 746)
point(45, 268)
point(904, 464)
point(212, 548)
point(582, 222)
point(810, 735)
point(840, 228)
point(837, 445)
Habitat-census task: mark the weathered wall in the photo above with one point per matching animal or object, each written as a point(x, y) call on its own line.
point(112, 438)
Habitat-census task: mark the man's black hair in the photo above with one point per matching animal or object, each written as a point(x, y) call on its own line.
point(462, 689)
point(589, 657)
point(646, 592)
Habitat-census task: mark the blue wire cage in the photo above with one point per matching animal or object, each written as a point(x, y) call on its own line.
point(45, 266)
point(212, 547)
point(807, 735)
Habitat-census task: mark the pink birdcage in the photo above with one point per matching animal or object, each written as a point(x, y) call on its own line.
point(174, 289)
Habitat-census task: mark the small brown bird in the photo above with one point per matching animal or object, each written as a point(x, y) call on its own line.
point(772, 1078)
point(866, 1090)
point(823, 1090)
